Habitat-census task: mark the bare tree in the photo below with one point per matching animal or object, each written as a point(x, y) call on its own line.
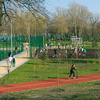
point(32, 5)
point(77, 17)
point(97, 28)
point(61, 20)
point(20, 24)
point(93, 21)
point(58, 22)
point(51, 26)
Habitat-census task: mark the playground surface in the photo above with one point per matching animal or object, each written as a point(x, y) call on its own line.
point(47, 83)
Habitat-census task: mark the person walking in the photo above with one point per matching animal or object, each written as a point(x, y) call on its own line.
point(80, 51)
point(36, 53)
point(10, 61)
point(16, 49)
point(26, 46)
point(72, 71)
point(55, 52)
point(14, 61)
point(2, 52)
point(84, 51)
point(9, 54)
point(58, 45)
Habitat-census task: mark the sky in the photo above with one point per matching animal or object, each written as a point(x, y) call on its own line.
point(92, 5)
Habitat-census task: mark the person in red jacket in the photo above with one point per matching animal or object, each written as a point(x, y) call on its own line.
point(72, 71)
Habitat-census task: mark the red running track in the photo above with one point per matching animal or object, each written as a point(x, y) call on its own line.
point(47, 83)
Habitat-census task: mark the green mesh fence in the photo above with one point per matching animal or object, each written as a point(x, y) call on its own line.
point(5, 45)
point(36, 43)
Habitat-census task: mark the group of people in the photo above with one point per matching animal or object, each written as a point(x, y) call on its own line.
point(82, 51)
point(55, 52)
point(12, 59)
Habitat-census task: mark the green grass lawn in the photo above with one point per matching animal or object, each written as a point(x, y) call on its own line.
point(81, 91)
point(36, 70)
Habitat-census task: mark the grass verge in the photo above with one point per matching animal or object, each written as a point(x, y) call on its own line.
point(36, 70)
point(82, 91)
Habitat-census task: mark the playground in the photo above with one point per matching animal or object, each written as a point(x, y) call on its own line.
point(33, 74)
point(48, 52)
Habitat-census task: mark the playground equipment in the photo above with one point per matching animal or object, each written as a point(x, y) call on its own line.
point(76, 41)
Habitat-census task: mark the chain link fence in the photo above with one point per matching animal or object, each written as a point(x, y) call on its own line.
point(91, 44)
point(5, 45)
point(36, 44)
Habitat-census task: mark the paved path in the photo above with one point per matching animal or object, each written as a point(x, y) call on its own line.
point(20, 59)
point(47, 83)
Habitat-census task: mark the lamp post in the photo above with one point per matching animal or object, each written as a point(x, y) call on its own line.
point(76, 47)
point(35, 26)
point(11, 28)
point(11, 36)
point(29, 34)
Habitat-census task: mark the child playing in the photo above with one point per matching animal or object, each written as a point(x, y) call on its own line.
point(14, 61)
point(72, 71)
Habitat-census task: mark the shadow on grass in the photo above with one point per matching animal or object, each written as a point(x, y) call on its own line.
point(52, 77)
point(81, 60)
point(94, 69)
point(27, 71)
point(66, 73)
point(10, 98)
point(53, 61)
point(34, 77)
point(76, 60)
point(14, 98)
point(97, 84)
point(57, 90)
point(34, 63)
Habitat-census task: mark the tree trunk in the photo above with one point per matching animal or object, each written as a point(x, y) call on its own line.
point(1, 10)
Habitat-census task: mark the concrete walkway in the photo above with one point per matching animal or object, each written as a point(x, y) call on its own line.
point(20, 59)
